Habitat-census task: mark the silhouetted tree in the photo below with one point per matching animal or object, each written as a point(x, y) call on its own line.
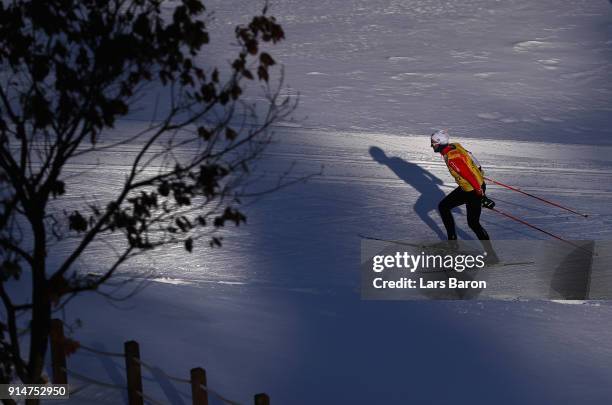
point(69, 69)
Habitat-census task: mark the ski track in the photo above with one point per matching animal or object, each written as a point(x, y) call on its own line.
point(357, 193)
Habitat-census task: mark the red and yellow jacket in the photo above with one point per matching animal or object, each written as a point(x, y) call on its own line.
point(462, 167)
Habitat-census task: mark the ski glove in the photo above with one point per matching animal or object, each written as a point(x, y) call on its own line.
point(487, 202)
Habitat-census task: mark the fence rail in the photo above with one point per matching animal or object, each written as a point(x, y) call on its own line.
point(133, 367)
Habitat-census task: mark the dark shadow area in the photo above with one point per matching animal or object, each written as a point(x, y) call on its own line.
point(116, 372)
point(572, 277)
point(112, 369)
point(422, 181)
point(173, 396)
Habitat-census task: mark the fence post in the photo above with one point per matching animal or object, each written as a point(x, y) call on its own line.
point(198, 380)
point(134, 375)
point(58, 352)
point(262, 399)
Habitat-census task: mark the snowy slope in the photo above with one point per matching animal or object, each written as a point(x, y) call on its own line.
point(381, 185)
point(513, 69)
point(278, 309)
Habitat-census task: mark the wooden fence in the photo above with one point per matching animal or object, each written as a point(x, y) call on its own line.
point(133, 366)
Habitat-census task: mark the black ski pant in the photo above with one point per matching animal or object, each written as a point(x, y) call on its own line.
point(473, 205)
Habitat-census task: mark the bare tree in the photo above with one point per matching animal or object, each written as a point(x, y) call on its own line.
point(69, 69)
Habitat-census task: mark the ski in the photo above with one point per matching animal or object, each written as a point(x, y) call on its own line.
point(506, 264)
point(392, 241)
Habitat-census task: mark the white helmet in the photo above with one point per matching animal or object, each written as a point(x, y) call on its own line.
point(439, 139)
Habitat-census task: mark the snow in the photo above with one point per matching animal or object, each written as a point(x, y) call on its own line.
point(277, 309)
point(541, 69)
point(523, 85)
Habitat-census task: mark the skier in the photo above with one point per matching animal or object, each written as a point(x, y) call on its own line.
point(468, 174)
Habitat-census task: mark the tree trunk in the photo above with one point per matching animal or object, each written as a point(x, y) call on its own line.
point(39, 335)
point(41, 307)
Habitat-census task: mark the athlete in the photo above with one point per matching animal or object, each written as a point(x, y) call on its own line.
point(468, 174)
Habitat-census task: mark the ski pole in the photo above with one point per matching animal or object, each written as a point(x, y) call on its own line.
point(536, 197)
point(540, 229)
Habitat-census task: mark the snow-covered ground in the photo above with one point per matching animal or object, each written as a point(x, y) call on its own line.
point(511, 69)
point(525, 85)
point(277, 309)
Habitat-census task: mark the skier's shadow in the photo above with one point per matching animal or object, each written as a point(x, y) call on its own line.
point(423, 182)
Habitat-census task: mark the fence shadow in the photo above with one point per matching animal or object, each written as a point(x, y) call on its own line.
point(133, 374)
point(424, 182)
point(173, 395)
point(112, 369)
